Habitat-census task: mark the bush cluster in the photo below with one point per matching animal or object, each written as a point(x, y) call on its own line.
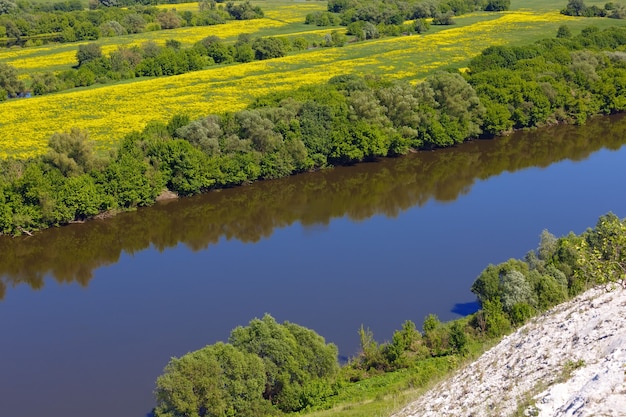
point(267, 368)
point(611, 9)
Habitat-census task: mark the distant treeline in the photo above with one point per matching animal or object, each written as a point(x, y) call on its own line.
point(272, 369)
point(152, 60)
point(350, 119)
point(611, 9)
point(372, 19)
point(69, 22)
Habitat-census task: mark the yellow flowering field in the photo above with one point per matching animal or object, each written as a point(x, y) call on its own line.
point(41, 59)
point(55, 56)
point(109, 112)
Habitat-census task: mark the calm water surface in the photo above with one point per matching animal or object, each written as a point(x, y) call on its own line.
point(91, 313)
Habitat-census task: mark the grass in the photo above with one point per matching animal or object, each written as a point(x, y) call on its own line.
point(386, 394)
point(110, 111)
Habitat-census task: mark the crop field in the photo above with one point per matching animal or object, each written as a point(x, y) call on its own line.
point(111, 111)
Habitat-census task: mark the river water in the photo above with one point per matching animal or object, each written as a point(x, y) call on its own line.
point(91, 313)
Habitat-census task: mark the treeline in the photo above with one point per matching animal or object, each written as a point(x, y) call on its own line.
point(561, 80)
point(374, 18)
point(305, 373)
point(249, 214)
point(151, 60)
point(32, 20)
point(348, 120)
point(610, 9)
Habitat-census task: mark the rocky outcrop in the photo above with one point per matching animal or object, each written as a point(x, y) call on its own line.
point(570, 361)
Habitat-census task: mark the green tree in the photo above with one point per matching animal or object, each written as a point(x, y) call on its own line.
point(564, 32)
point(267, 48)
point(7, 6)
point(497, 5)
point(216, 381)
point(435, 335)
point(10, 85)
point(495, 321)
point(293, 357)
point(602, 252)
point(88, 52)
point(575, 8)
point(169, 20)
point(405, 343)
point(514, 288)
point(487, 284)
point(71, 152)
point(458, 338)
point(421, 26)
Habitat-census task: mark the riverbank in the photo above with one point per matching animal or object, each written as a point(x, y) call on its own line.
point(570, 361)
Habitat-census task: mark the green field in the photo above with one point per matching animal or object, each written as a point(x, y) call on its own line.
point(112, 110)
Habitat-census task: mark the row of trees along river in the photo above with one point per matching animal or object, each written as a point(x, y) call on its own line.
point(374, 244)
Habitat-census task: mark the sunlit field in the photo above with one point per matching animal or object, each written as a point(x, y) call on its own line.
point(111, 111)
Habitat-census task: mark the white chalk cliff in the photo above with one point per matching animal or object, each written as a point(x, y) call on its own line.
point(570, 361)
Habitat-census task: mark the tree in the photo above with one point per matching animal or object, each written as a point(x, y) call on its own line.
point(445, 19)
point(7, 6)
point(496, 322)
point(421, 26)
point(267, 48)
point(458, 338)
point(108, 3)
point(514, 288)
point(293, 357)
point(602, 252)
point(218, 380)
point(487, 285)
point(404, 341)
point(169, 20)
point(134, 23)
point(497, 5)
point(10, 85)
point(87, 53)
point(564, 32)
point(575, 8)
point(243, 11)
point(71, 152)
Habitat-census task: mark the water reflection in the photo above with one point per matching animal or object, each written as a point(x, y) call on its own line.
point(248, 214)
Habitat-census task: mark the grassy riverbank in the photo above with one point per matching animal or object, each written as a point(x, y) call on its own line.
point(383, 377)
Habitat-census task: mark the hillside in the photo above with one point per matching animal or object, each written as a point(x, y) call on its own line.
point(571, 361)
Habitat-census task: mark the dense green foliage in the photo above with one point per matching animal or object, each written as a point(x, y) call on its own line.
point(265, 368)
point(253, 213)
point(350, 119)
point(273, 369)
point(516, 290)
point(69, 22)
point(397, 12)
point(611, 9)
point(374, 18)
point(566, 79)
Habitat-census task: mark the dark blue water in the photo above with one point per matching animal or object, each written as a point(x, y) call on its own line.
point(374, 244)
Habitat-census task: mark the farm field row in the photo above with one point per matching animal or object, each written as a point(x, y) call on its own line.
point(109, 112)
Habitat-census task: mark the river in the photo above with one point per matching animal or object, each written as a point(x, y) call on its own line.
point(91, 313)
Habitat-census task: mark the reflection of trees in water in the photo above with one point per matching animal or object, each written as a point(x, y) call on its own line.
point(70, 254)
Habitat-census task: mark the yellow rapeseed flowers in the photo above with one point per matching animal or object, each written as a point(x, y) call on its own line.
point(111, 111)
